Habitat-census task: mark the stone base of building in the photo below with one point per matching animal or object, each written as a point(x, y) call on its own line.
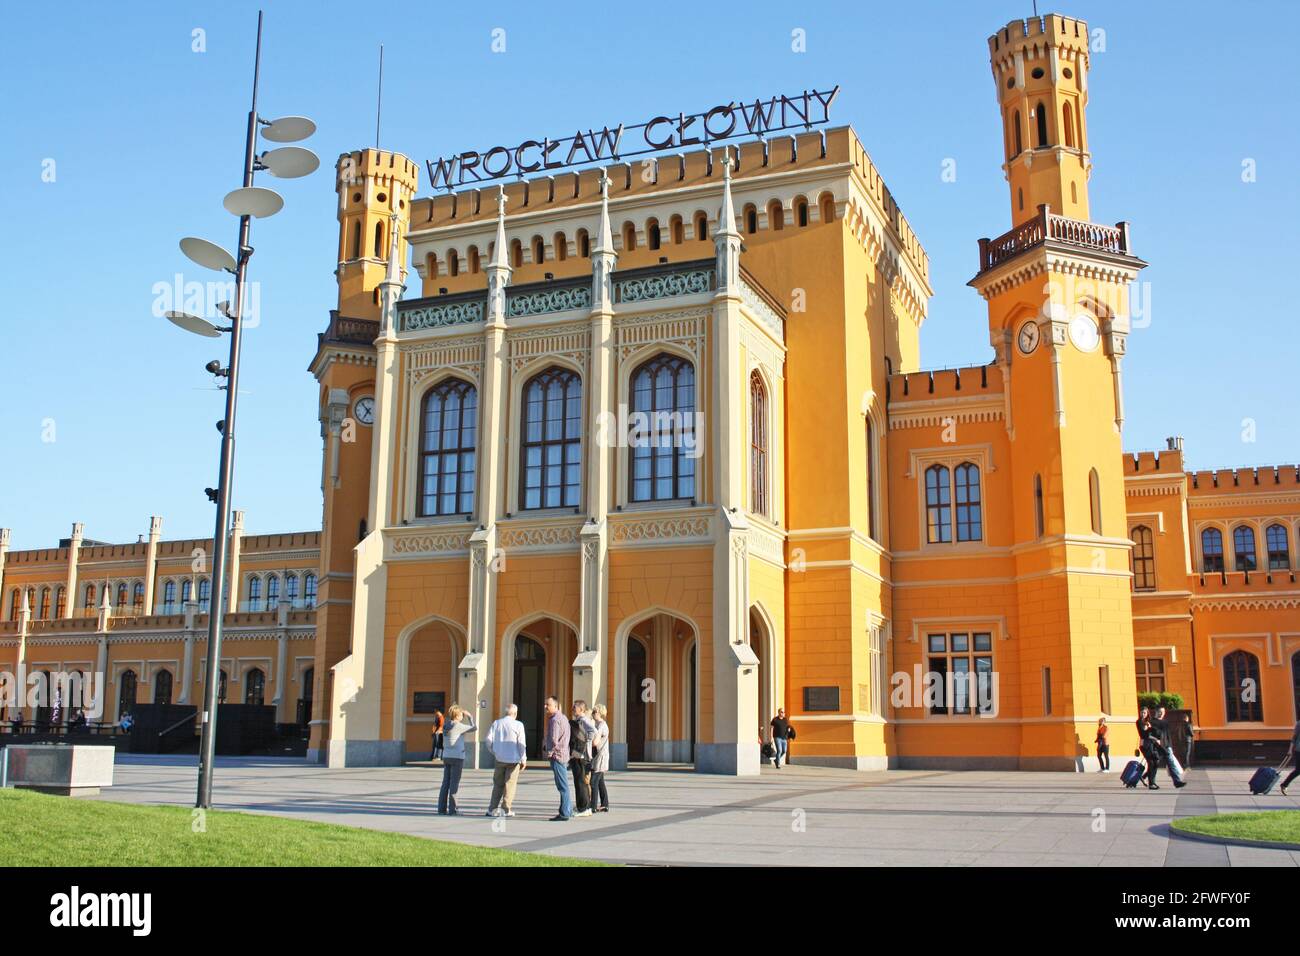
point(365, 753)
point(879, 762)
point(1002, 762)
point(729, 759)
point(316, 754)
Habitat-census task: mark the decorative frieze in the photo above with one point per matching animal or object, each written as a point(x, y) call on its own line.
point(665, 285)
point(686, 329)
point(656, 529)
point(559, 299)
point(539, 537)
point(761, 311)
point(571, 341)
point(461, 312)
point(418, 543)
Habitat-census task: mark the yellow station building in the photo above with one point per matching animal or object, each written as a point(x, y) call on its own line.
point(815, 521)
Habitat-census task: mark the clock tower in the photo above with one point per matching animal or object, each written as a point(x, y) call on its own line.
point(1057, 287)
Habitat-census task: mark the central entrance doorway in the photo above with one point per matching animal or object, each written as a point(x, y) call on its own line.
point(530, 690)
point(636, 705)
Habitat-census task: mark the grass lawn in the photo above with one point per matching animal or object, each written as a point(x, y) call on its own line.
point(43, 830)
point(1279, 826)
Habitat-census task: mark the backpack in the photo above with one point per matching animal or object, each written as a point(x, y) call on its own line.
point(579, 742)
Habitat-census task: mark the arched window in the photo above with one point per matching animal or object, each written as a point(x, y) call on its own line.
point(701, 226)
point(430, 266)
point(539, 249)
point(205, 595)
point(254, 687)
point(775, 215)
point(551, 443)
point(121, 597)
point(255, 594)
point(662, 439)
point(1039, 518)
point(1020, 144)
point(801, 212)
point(1211, 550)
point(453, 263)
point(379, 240)
point(1094, 500)
point(826, 207)
point(187, 592)
point(272, 592)
point(162, 687)
point(125, 692)
point(1040, 117)
point(938, 505)
point(1067, 123)
point(1241, 690)
point(15, 604)
point(356, 240)
point(757, 444)
point(137, 597)
point(561, 243)
point(1279, 554)
point(751, 220)
point(475, 264)
point(43, 611)
point(652, 234)
point(1243, 548)
point(309, 590)
point(584, 244)
point(221, 686)
point(970, 520)
point(291, 589)
point(447, 448)
point(871, 481)
point(676, 230)
point(90, 596)
point(60, 602)
point(1144, 559)
point(516, 253)
point(629, 237)
point(169, 597)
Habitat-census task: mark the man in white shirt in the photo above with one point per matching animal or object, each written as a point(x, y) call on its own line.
point(507, 741)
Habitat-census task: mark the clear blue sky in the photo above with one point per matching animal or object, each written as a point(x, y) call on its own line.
point(147, 137)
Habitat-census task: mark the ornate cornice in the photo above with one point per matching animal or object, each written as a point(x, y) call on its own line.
point(660, 529)
point(426, 542)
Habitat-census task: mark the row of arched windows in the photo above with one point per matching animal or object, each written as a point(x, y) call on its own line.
point(270, 585)
point(661, 440)
point(1071, 134)
point(656, 236)
point(163, 684)
point(1277, 549)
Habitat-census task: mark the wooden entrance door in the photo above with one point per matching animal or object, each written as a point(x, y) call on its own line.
point(636, 674)
point(530, 691)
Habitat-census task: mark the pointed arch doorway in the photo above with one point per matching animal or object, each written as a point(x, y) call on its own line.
point(530, 690)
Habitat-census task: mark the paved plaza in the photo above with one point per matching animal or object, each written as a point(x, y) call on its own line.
point(793, 816)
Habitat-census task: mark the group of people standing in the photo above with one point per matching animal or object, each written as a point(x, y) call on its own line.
point(577, 746)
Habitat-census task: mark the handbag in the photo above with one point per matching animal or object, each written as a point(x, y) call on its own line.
point(768, 751)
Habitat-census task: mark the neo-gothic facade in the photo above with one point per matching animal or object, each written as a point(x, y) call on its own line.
point(658, 436)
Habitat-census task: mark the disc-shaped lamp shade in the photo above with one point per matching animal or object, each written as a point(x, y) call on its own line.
point(207, 254)
point(290, 162)
point(192, 323)
point(254, 201)
point(288, 129)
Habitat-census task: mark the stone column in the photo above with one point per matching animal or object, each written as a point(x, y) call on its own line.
point(232, 582)
point(150, 565)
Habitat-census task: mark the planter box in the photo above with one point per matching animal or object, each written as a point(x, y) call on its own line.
point(69, 769)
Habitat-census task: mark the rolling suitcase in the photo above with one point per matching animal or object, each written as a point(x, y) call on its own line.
point(1262, 783)
point(1133, 771)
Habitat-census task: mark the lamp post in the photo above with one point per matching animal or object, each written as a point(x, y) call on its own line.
point(247, 202)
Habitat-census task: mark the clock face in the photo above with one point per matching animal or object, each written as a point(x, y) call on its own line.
point(364, 410)
point(1084, 334)
point(1027, 338)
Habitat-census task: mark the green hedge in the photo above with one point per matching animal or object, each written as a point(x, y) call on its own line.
point(1166, 699)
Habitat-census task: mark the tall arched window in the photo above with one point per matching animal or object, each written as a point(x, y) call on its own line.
point(1211, 550)
point(1020, 143)
point(1279, 552)
point(970, 520)
point(1241, 690)
point(561, 243)
point(356, 240)
point(871, 481)
point(254, 687)
point(90, 596)
point(453, 263)
point(379, 240)
point(701, 226)
point(309, 590)
point(272, 592)
point(43, 610)
point(629, 237)
point(1243, 548)
point(121, 597)
point(1040, 117)
point(1144, 559)
point(539, 249)
point(757, 444)
point(205, 595)
point(1094, 500)
point(291, 589)
point(676, 231)
point(584, 244)
point(449, 435)
point(551, 441)
point(475, 263)
point(801, 212)
point(1039, 518)
point(1067, 123)
point(125, 692)
point(826, 207)
point(255, 594)
point(652, 234)
point(662, 439)
point(15, 604)
point(162, 687)
point(187, 592)
point(137, 597)
point(775, 215)
point(516, 253)
point(169, 597)
point(938, 505)
point(60, 602)
point(751, 220)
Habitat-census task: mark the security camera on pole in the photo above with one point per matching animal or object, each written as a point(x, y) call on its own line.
point(248, 202)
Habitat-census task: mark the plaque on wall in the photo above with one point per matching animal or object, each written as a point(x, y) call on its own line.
point(821, 698)
point(430, 701)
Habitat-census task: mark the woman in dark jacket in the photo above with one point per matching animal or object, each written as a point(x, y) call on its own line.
point(1149, 746)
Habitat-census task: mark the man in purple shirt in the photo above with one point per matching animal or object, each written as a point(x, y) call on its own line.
point(555, 748)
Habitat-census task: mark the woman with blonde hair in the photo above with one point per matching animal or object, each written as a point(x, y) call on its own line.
point(599, 761)
point(459, 724)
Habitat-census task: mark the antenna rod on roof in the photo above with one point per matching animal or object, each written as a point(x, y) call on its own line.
point(379, 99)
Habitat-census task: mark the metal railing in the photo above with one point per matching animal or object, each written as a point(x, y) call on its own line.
point(1047, 226)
